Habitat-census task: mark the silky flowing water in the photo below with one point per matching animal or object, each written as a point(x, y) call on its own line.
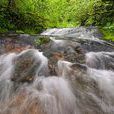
point(26, 86)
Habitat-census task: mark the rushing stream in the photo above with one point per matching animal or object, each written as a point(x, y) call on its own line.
point(28, 87)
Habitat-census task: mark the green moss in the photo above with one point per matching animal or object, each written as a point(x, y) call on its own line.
point(42, 40)
point(19, 32)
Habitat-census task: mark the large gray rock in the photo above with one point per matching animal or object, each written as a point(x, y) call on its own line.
point(29, 64)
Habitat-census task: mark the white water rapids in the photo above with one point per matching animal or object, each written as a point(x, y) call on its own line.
point(78, 89)
point(78, 33)
point(28, 87)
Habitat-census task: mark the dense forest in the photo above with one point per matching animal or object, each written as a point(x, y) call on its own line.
point(33, 16)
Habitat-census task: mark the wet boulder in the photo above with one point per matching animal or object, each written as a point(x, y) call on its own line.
point(56, 50)
point(100, 60)
point(29, 64)
point(96, 45)
point(64, 49)
point(91, 87)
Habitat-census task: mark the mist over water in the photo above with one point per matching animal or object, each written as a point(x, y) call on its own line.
point(28, 87)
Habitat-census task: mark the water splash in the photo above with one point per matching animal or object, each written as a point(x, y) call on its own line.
point(100, 60)
point(26, 87)
point(6, 71)
point(91, 87)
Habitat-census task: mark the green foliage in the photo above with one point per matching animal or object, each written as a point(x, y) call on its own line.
point(22, 15)
point(108, 31)
point(41, 40)
point(32, 16)
point(68, 13)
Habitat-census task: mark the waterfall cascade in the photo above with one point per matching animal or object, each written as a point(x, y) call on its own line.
point(28, 87)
